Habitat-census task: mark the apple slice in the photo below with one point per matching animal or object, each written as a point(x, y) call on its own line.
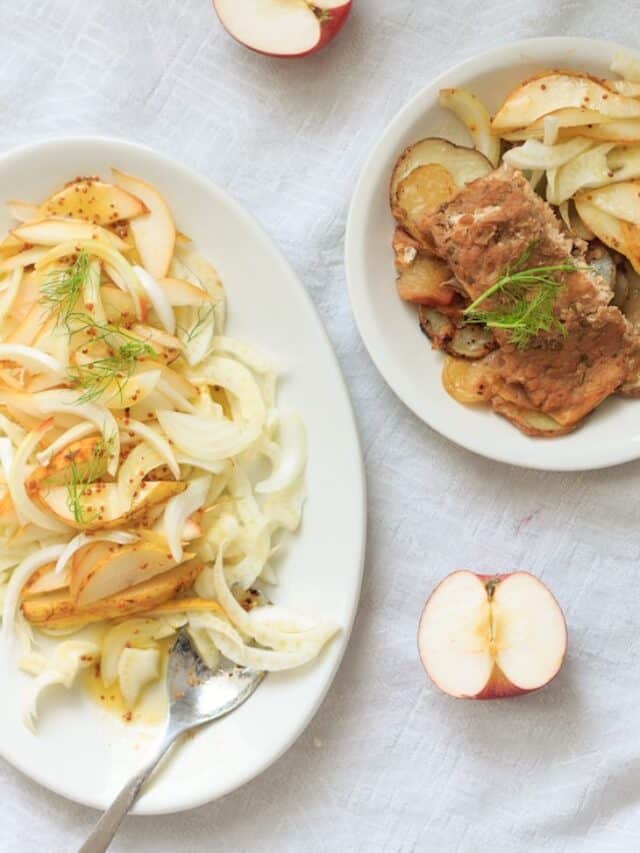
point(100, 573)
point(283, 28)
point(491, 636)
point(58, 609)
point(154, 232)
point(91, 199)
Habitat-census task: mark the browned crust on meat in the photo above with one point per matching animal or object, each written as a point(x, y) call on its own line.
point(485, 229)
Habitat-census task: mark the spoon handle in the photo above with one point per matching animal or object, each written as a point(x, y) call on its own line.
point(107, 826)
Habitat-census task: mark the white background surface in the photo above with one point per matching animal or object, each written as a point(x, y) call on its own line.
point(388, 764)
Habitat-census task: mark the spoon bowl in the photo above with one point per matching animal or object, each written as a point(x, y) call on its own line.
point(197, 695)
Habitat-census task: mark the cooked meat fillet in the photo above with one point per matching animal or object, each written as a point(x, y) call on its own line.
point(485, 229)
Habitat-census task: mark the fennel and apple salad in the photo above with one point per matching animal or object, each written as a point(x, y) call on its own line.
point(147, 474)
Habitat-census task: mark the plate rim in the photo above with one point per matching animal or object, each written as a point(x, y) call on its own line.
point(478, 62)
point(357, 495)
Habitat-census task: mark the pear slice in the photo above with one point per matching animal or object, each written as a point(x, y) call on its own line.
point(181, 293)
point(51, 232)
point(88, 456)
point(58, 609)
point(45, 580)
point(101, 507)
point(94, 200)
point(101, 573)
point(155, 232)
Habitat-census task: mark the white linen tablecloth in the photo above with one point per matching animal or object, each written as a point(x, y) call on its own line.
point(388, 763)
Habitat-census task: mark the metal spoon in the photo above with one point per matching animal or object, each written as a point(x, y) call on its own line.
point(197, 695)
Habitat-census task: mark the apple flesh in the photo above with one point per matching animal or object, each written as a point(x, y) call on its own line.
point(491, 636)
point(283, 28)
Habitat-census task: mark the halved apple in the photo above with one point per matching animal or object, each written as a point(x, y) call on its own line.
point(491, 636)
point(59, 610)
point(98, 573)
point(283, 29)
point(95, 200)
point(154, 232)
point(101, 505)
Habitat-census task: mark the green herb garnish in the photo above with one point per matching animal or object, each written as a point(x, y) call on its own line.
point(62, 288)
point(527, 296)
point(81, 476)
point(125, 350)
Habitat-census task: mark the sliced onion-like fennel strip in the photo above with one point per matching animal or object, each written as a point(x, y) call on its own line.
point(230, 643)
point(15, 432)
point(68, 659)
point(65, 401)
point(121, 537)
point(293, 454)
point(264, 633)
point(110, 256)
point(248, 355)
point(178, 510)
point(19, 577)
point(199, 436)
point(246, 399)
point(33, 359)
point(27, 511)
point(7, 455)
point(158, 298)
point(155, 440)
point(10, 291)
point(74, 433)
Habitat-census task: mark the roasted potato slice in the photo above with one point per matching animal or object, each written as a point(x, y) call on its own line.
point(439, 328)
point(427, 174)
point(464, 380)
point(463, 164)
point(530, 421)
point(424, 281)
point(405, 249)
point(464, 340)
point(58, 609)
point(420, 193)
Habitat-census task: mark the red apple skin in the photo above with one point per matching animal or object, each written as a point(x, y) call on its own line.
point(329, 29)
point(498, 686)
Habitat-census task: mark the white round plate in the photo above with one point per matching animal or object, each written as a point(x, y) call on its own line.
point(85, 753)
point(389, 327)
